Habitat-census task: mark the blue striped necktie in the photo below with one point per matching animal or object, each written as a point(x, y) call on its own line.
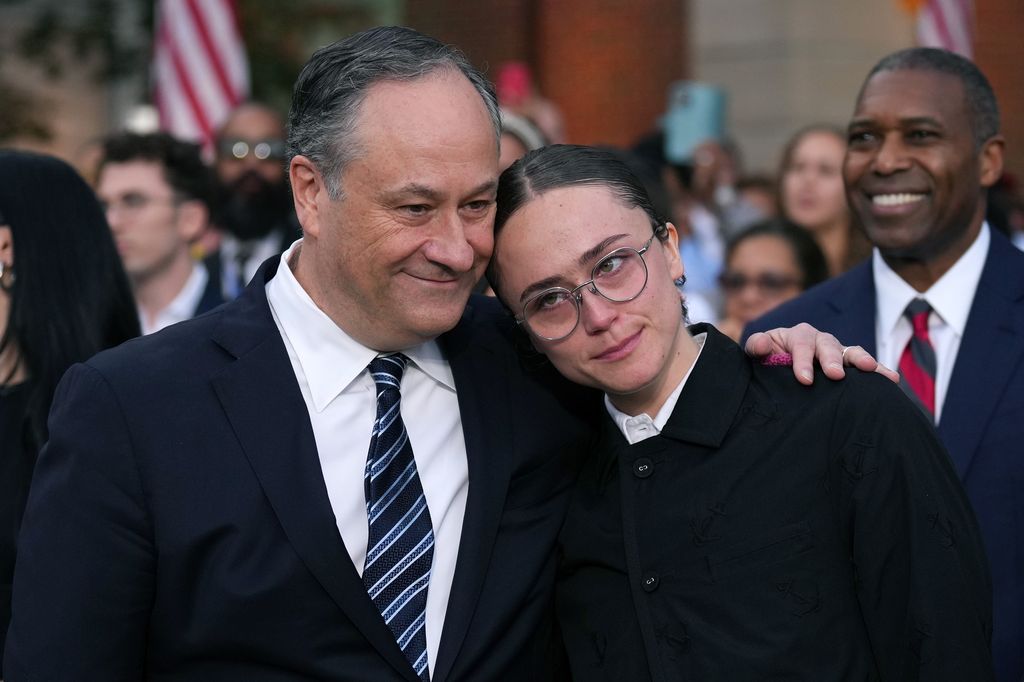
point(400, 546)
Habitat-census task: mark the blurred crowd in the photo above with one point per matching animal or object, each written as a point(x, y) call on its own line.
point(191, 231)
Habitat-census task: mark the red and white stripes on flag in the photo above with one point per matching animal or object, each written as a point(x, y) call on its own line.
point(200, 69)
point(948, 24)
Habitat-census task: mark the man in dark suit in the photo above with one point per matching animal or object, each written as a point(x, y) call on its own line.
point(236, 498)
point(943, 295)
point(157, 194)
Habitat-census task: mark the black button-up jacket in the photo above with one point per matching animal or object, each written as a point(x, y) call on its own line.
point(775, 532)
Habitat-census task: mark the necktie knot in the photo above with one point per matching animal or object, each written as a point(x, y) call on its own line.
point(917, 312)
point(387, 371)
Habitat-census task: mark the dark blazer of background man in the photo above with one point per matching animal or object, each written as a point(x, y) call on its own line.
point(180, 527)
point(924, 146)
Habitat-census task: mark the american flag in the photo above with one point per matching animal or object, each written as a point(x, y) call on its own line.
point(948, 24)
point(200, 69)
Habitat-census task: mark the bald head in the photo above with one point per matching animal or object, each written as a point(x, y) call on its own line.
point(253, 138)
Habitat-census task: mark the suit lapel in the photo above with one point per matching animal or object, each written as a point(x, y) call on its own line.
point(480, 379)
point(261, 399)
point(992, 345)
point(852, 309)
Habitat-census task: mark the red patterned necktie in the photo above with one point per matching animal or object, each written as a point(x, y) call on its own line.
point(917, 364)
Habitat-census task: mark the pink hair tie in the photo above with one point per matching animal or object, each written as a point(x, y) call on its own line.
point(778, 360)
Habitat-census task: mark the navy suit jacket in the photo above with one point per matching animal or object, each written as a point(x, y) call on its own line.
point(179, 528)
point(982, 424)
point(212, 296)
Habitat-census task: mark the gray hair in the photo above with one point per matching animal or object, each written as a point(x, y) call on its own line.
point(981, 100)
point(336, 79)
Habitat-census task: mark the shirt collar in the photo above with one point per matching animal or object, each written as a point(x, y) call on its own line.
point(623, 420)
point(183, 306)
point(950, 296)
point(331, 360)
point(185, 303)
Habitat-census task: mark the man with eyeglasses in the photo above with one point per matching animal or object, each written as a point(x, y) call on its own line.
point(156, 192)
point(255, 208)
point(727, 523)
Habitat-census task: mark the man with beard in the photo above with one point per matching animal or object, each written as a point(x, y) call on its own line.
point(256, 209)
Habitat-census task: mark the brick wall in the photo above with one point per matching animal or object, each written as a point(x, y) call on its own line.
point(609, 63)
point(488, 32)
point(999, 51)
point(606, 63)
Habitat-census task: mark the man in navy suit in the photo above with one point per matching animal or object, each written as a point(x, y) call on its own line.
point(206, 508)
point(924, 145)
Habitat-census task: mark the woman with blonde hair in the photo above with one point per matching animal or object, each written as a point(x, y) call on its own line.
point(811, 195)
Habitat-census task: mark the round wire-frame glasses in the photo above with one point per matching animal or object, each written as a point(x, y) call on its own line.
point(619, 276)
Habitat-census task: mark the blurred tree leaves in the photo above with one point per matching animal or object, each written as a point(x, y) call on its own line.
point(88, 34)
point(114, 38)
point(53, 33)
point(280, 35)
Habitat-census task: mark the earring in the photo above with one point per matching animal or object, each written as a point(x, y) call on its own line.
point(6, 270)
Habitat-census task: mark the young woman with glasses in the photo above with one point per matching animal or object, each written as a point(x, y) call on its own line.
point(730, 523)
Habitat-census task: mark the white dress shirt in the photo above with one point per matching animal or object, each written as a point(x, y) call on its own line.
point(340, 396)
point(641, 427)
point(183, 306)
point(950, 298)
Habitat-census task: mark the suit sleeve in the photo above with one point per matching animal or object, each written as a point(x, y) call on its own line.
point(84, 576)
point(922, 577)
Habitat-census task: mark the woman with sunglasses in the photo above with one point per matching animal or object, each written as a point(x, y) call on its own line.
point(729, 523)
point(767, 265)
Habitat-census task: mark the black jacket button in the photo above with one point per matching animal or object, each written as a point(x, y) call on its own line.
point(643, 467)
point(649, 582)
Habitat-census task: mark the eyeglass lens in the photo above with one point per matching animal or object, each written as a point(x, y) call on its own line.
point(620, 276)
point(261, 149)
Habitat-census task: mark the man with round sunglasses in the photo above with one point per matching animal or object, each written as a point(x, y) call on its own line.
point(256, 211)
point(728, 523)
